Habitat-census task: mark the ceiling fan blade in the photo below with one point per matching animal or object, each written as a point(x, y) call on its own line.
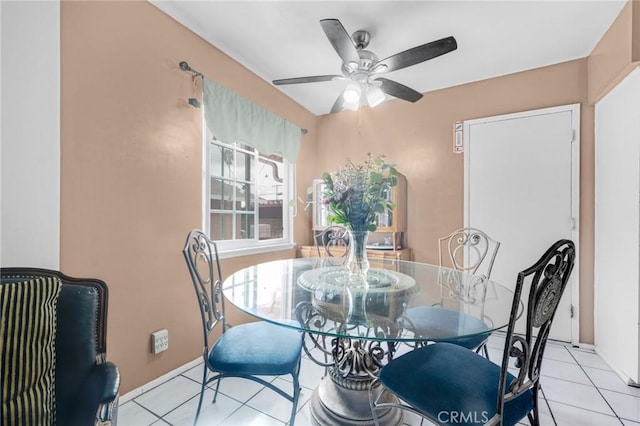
point(310, 79)
point(339, 103)
point(419, 54)
point(398, 90)
point(340, 40)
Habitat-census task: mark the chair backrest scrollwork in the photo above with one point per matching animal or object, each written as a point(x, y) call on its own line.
point(201, 256)
point(546, 280)
point(468, 249)
point(332, 238)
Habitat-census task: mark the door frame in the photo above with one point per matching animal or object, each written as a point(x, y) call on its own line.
point(574, 281)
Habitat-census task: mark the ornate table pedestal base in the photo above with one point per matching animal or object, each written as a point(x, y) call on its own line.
point(347, 403)
point(363, 321)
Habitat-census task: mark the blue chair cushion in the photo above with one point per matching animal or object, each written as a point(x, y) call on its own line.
point(257, 348)
point(451, 384)
point(435, 322)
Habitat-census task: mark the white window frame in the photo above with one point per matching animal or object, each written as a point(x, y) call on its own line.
point(234, 248)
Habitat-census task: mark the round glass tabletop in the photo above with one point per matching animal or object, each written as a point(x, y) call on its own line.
point(404, 301)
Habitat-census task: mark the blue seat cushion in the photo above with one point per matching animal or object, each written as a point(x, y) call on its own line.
point(451, 384)
point(435, 323)
point(257, 348)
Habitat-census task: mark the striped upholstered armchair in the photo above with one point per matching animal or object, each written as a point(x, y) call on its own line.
point(53, 348)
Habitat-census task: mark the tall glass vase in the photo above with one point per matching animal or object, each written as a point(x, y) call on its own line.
point(357, 262)
point(357, 299)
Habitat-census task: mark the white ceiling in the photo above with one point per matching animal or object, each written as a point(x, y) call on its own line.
point(283, 39)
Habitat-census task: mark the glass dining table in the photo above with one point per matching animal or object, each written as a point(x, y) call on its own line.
point(355, 330)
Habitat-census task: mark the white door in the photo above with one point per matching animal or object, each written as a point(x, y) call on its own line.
point(521, 188)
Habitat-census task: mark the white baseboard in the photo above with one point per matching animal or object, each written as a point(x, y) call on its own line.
point(160, 380)
point(587, 347)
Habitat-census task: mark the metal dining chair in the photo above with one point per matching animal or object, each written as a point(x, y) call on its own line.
point(333, 241)
point(467, 250)
point(443, 380)
point(248, 350)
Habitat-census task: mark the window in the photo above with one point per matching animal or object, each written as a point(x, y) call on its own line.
point(247, 197)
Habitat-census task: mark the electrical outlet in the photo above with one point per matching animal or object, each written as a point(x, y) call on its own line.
point(159, 341)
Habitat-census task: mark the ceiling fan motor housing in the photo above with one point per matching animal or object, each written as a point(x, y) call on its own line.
point(367, 61)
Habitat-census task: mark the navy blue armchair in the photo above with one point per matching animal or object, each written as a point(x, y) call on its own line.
point(86, 385)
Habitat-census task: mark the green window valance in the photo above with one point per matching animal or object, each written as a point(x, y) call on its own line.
point(232, 118)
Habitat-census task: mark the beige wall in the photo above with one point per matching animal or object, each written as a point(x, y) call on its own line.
point(131, 184)
point(616, 54)
point(131, 161)
point(418, 139)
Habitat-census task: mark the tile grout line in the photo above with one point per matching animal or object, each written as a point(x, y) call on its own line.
point(162, 417)
point(221, 392)
point(596, 387)
point(147, 410)
point(198, 396)
point(546, 401)
point(242, 404)
point(593, 385)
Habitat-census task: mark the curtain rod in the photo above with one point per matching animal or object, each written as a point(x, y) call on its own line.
point(184, 66)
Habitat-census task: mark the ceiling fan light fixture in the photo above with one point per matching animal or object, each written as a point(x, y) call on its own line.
point(352, 93)
point(375, 95)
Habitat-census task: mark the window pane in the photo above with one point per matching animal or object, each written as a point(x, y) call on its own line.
point(228, 188)
point(221, 160)
point(270, 227)
point(221, 194)
point(244, 226)
point(385, 219)
point(245, 197)
point(215, 194)
point(271, 188)
point(221, 226)
point(244, 165)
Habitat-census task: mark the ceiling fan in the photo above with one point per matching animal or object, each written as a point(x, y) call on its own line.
point(363, 68)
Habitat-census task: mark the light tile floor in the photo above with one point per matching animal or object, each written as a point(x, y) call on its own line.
point(578, 388)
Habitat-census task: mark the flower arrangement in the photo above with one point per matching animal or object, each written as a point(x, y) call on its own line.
point(355, 193)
